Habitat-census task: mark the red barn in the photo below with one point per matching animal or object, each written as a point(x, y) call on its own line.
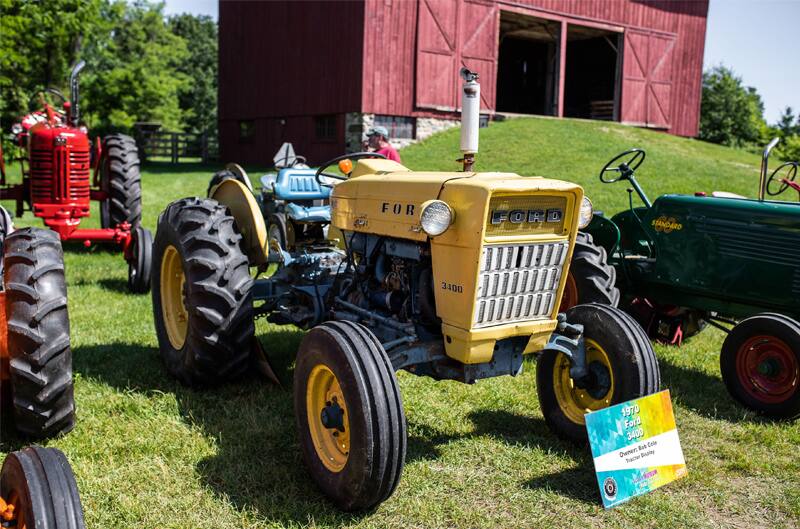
point(319, 74)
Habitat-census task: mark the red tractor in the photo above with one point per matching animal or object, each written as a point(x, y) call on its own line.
point(61, 175)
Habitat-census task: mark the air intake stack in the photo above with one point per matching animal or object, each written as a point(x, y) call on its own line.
point(470, 117)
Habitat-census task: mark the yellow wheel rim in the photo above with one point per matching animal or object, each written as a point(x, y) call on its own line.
point(173, 308)
point(574, 401)
point(328, 418)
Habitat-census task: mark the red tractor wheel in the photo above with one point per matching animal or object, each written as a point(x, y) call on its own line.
point(760, 364)
point(38, 490)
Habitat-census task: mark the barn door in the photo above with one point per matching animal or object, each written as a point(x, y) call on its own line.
point(451, 34)
point(479, 46)
point(647, 79)
point(437, 41)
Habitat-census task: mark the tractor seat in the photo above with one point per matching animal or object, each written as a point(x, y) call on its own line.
point(300, 213)
point(725, 194)
point(299, 184)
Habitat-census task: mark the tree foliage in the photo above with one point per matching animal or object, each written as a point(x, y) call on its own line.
point(198, 99)
point(730, 113)
point(141, 66)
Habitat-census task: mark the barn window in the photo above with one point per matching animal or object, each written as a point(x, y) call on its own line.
point(247, 130)
point(325, 127)
point(399, 127)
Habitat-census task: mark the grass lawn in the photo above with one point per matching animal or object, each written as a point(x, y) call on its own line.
point(148, 452)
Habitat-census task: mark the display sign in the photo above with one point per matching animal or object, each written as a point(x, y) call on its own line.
point(635, 447)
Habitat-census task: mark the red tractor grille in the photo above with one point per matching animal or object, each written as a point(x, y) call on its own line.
point(49, 170)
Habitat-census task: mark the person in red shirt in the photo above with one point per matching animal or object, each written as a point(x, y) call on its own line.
point(379, 142)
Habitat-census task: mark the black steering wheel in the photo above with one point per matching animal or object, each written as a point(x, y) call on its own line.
point(44, 92)
point(625, 169)
point(351, 156)
point(785, 182)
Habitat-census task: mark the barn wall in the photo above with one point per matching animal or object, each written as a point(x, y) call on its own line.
point(686, 19)
point(280, 64)
point(392, 47)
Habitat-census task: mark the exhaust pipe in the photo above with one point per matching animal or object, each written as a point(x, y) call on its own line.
point(762, 182)
point(74, 114)
point(470, 117)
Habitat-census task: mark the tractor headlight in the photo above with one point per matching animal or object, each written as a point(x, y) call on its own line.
point(16, 128)
point(436, 217)
point(586, 213)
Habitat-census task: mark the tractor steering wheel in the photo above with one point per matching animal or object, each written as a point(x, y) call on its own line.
point(43, 92)
point(785, 182)
point(352, 156)
point(626, 168)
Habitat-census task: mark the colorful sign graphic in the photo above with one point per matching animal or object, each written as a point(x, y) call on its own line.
point(635, 447)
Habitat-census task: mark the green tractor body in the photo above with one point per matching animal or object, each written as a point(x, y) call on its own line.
point(726, 260)
point(735, 257)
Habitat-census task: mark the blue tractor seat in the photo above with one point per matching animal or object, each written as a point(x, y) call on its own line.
point(299, 184)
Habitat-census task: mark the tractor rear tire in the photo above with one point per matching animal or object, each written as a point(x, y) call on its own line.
point(120, 179)
point(349, 415)
point(40, 358)
point(218, 178)
point(40, 484)
point(141, 261)
point(760, 364)
point(621, 361)
point(591, 279)
point(202, 293)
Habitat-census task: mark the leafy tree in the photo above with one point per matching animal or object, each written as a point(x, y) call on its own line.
point(138, 64)
point(198, 99)
point(39, 41)
point(730, 113)
point(133, 73)
point(787, 125)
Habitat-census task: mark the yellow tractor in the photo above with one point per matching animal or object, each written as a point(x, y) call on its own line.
point(452, 275)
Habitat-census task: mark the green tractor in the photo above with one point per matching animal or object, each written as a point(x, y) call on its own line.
point(724, 260)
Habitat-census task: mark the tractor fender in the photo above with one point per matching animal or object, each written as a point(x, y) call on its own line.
point(245, 210)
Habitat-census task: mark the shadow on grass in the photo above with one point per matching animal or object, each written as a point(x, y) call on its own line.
point(258, 464)
point(530, 432)
point(703, 393)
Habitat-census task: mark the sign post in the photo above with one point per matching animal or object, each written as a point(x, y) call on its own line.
point(635, 447)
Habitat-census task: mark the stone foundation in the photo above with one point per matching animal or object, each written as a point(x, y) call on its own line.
point(358, 123)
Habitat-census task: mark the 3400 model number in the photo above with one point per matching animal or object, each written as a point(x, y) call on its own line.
point(452, 287)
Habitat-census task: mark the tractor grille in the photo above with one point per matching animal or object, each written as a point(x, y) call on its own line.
point(518, 282)
point(48, 174)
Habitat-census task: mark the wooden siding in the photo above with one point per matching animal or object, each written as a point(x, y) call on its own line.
point(673, 88)
point(280, 64)
point(283, 63)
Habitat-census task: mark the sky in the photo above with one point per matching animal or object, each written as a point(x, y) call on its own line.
point(758, 39)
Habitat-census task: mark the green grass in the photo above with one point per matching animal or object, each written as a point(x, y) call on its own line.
point(150, 453)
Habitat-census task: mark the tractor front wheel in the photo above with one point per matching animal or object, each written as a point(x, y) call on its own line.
point(121, 181)
point(141, 261)
point(760, 364)
point(40, 358)
point(349, 414)
point(38, 490)
point(591, 279)
point(621, 363)
point(202, 299)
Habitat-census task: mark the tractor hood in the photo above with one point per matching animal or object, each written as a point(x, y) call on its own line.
point(385, 198)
